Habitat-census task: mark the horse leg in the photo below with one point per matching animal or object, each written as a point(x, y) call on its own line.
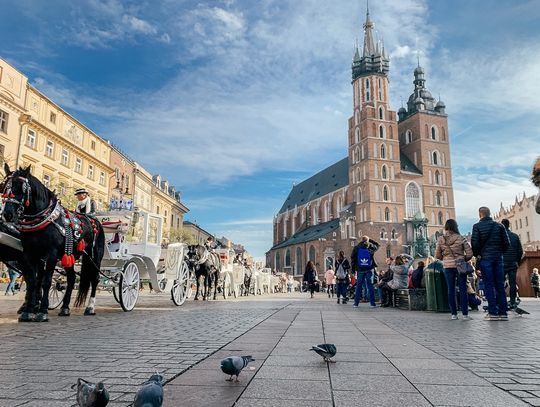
point(43, 313)
point(27, 314)
point(198, 279)
point(205, 288)
point(216, 278)
point(70, 277)
point(91, 308)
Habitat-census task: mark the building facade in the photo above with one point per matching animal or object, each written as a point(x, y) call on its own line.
point(395, 185)
point(524, 221)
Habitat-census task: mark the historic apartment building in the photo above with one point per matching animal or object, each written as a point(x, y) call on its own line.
point(66, 155)
point(523, 220)
point(395, 185)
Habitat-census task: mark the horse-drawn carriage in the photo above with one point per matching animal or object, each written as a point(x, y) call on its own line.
point(232, 273)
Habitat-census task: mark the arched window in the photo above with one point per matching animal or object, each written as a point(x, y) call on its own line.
point(381, 131)
point(388, 251)
point(288, 258)
point(359, 195)
point(299, 265)
point(412, 199)
point(435, 158)
point(394, 234)
point(277, 262)
point(433, 133)
point(357, 135)
point(385, 193)
point(312, 253)
point(368, 96)
point(408, 137)
point(380, 91)
point(383, 151)
point(387, 214)
point(314, 216)
point(381, 113)
point(383, 233)
point(437, 178)
point(438, 200)
point(440, 218)
point(384, 172)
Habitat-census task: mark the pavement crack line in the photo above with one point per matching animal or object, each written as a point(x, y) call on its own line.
point(273, 348)
point(328, 363)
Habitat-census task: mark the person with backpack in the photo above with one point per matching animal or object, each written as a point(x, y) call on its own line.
point(342, 277)
point(512, 258)
point(363, 264)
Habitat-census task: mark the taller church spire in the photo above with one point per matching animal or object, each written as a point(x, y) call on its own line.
point(373, 59)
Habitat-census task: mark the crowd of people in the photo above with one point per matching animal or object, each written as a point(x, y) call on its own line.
point(480, 269)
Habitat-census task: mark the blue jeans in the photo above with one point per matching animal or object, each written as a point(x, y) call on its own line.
point(12, 277)
point(493, 276)
point(341, 289)
point(366, 276)
point(451, 276)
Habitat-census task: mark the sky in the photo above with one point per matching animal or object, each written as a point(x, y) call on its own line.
point(233, 101)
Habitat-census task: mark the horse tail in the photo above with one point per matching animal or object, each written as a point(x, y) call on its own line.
point(91, 261)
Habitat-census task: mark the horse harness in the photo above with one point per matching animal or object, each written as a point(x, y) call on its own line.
point(68, 223)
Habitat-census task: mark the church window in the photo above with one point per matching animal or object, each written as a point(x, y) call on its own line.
point(385, 193)
point(367, 91)
point(412, 199)
point(380, 90)
point(382, 234)
point(387, 214)
point(388, 251)
point(443, 134)
point(394, 234)
point(312, 253)
point(384, 172)
point(359, 195)
point(357, 135)
point(277, 262)
point(408, 137)
point(437, 178)
point(288, 258)
point(438, 200)
point(435, 158)
point(433, 133)
point(381, 131)
point(440, 218)
point(314, 217)
point(383, 151)
point(381, 113)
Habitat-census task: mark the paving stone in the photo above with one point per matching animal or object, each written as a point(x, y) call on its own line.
point(252, 402)
point(357, 368)
point(478, 396)
point(379, 398)
point(445, 377)
point(288, 389)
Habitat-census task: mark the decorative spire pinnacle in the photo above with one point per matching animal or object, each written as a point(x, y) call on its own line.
point(369, 46)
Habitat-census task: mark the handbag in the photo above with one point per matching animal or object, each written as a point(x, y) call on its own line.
point(462, 266)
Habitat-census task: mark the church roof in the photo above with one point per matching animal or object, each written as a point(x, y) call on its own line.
point(328, 180)
point(407, 165)
point(309, 234)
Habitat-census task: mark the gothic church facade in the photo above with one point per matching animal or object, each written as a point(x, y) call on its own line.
point(395, 185)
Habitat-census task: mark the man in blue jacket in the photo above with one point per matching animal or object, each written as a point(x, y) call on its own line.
point(363, 263)
point(511, 260)
point(489, 241)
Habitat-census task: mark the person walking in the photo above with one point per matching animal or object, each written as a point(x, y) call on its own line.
point(489, 242)
point(342, 276)
point(512, 258)
point(310, 277)
point(451, 246)
point(363, 264)
point(13, 274)
point(535, 282)
point(330, 278)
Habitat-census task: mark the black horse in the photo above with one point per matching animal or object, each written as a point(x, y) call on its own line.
point(247, 281)
point(205, 264)
point(49, 233)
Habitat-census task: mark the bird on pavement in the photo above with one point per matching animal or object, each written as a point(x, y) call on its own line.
point(521, 311)
point(150, 394)
point(326, 350)
point(233, 365)
point(91, 394)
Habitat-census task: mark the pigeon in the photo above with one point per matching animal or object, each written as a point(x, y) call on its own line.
point(326, 350)
point(233, 365)
point(521, 311)
point(150, 394)
point(90, 394)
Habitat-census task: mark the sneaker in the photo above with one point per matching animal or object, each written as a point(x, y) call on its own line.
point(373, 305)
point(503, 317)
point(490, 317)
point(466, 318)
point(355, 306)
point(454, 317)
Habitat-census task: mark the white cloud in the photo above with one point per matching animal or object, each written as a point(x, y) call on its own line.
point(136, 24)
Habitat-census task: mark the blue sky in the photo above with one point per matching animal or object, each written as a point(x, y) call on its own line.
point(235, 100)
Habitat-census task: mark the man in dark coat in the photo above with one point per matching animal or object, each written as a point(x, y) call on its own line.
point(489, 241)
point(511, 260)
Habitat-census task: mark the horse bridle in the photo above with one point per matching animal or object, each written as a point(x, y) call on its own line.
point(9, 197)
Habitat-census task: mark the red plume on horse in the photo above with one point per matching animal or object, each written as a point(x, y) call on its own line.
point(535, 178)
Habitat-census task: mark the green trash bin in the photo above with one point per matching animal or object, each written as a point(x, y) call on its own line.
point(441, 290)
point(431, 299)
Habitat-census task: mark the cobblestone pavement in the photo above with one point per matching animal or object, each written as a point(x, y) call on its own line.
point(385, 356)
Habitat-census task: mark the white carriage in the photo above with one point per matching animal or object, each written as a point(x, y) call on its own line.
point(133, 253)
point(232, 274)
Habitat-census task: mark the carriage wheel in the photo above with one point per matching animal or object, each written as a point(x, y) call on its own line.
point(129, 286)
point(181, 288)
point(57, 291)
point(115, 294)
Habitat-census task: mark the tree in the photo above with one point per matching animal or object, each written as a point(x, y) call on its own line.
point(181, 235)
